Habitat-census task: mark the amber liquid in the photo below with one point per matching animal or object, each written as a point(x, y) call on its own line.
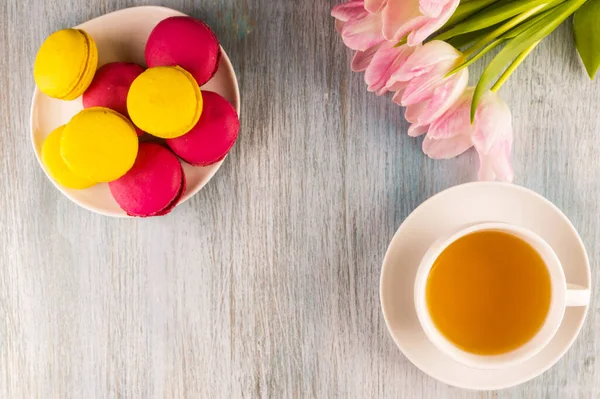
point(488, 293)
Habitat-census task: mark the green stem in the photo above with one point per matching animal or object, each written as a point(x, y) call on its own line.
point(504, 28)
point(487, 48)
point(532, 21)
point(466, 40)
point(513, 66)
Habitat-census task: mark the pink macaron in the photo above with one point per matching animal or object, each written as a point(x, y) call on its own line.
point(213, 136)
point(110, 87)
point(186, 42)
point(153, 186)
point(174, 203)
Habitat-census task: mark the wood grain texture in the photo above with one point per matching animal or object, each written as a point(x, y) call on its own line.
point(265, 284)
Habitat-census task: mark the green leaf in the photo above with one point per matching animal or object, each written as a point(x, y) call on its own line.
point(471, 37)
point(492, 15)
point(465, 10)
point(491, 45)
point(586, 29)
point(526, 25)
point(520, 43)
point(512, 67)
point(505, 27)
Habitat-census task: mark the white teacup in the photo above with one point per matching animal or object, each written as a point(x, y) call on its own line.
point(563, 295)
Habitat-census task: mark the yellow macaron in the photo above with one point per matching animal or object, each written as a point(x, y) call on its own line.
point(165, 101)
point(65, 64)
point(99, 144)
point(55, 165)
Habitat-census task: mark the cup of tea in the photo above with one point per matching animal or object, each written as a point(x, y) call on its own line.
point(492, 295)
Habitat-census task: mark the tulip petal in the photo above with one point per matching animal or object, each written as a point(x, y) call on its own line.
point(456, 121)
point(362, 33)
point(493, 122)
point(378, 69)
point(339, 25)
point(415, 130)
point(444, 97)
point(410, 26)
point(385, 62)
point(413, 112)
point(425, 58)
point(396, 14)
point(501, 162)
point(398, 96)
point(374, 6)
point(422, 87)
point(362, 59)
point(493, 138)
point(433, 24)
point(486, 170)
point(446, 148)
point(398, 87)
point(432, 8)
point(349, 11)
point(496, 164)
point(418, 89)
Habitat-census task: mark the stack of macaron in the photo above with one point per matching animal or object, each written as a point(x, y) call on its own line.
point(162, 105)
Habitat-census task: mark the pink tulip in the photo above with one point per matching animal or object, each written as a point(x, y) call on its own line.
point(359, 28)
point(427, 92)
point(491, 134)
point(416, 18)
point(385, 62)
point(374, 6)
point(366, 23)
point(362, 59)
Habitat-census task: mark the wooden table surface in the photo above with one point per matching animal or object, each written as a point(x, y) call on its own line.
point(266, 283)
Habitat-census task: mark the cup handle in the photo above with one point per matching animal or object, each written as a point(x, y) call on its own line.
point(577, 295)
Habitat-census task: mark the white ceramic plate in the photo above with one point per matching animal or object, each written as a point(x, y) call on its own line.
point(446, 213)
point(122, 36)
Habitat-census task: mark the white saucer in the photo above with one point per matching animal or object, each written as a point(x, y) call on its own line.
point(122, 36)
point(445, 213)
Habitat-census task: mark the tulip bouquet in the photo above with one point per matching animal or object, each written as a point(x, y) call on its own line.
point(420, 50)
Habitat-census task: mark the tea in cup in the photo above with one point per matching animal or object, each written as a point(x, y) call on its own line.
point(492, 295)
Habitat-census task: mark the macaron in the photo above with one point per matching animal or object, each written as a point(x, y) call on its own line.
point(187, 42)
point(212, 137)
point(65, 64)
point(165, 101)
point(55, 165)
point(110, 87)
point(99, 144)
point(177, 199)
point(154, 184)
